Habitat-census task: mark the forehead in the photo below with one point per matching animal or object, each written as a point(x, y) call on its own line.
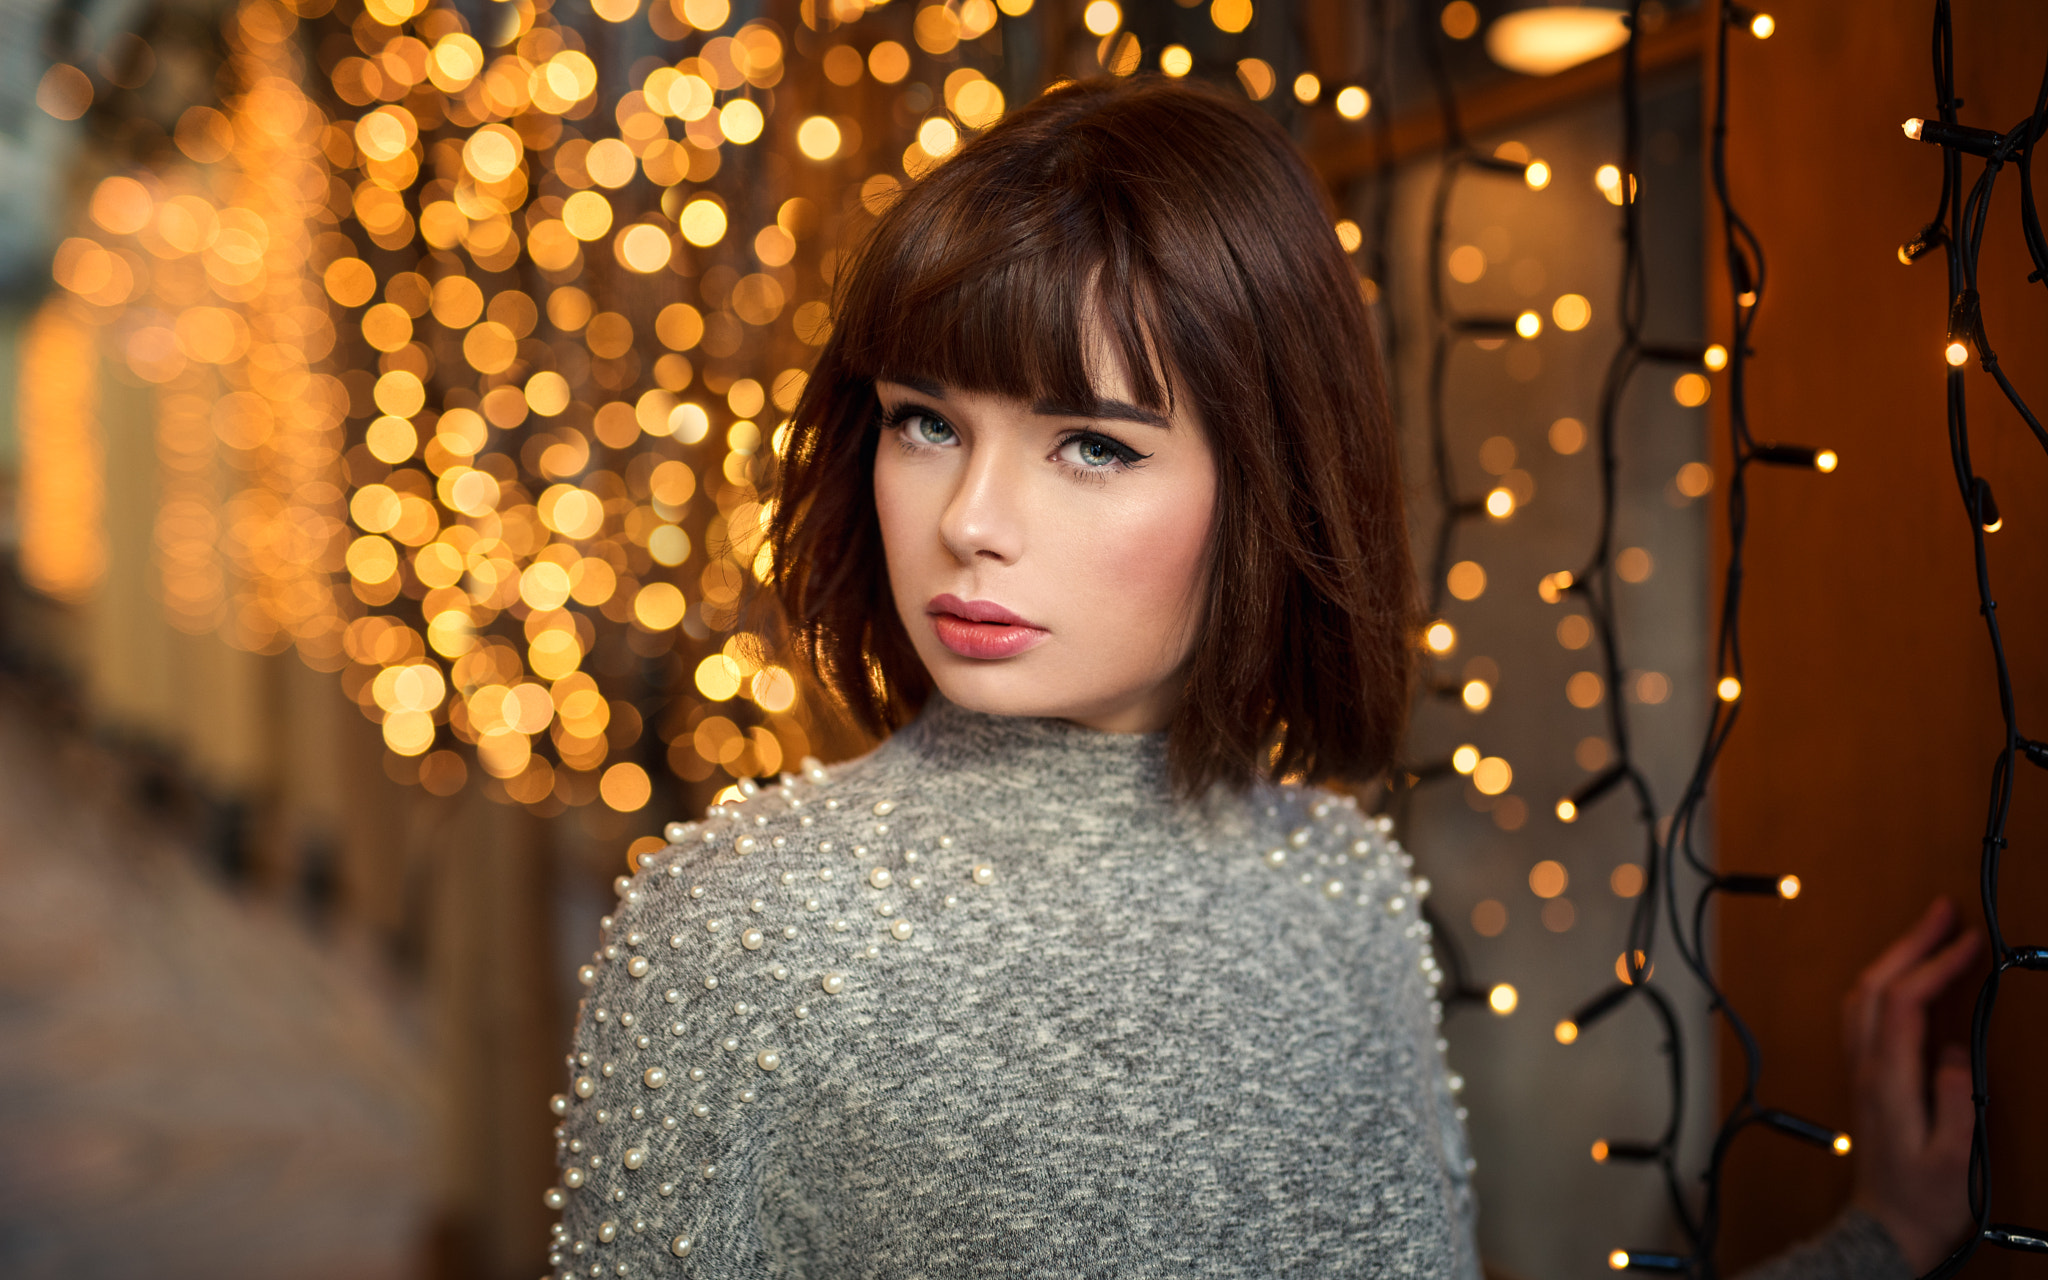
point(1035, 296)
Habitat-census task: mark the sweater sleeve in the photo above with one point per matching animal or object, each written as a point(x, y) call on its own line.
point(673, 1077)
point(1854, 1247)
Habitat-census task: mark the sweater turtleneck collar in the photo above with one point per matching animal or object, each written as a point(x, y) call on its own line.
point(1025, 761)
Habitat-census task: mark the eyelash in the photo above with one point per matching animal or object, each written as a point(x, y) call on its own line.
point(1124, 457)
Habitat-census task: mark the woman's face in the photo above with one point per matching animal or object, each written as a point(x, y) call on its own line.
point(1047, 560)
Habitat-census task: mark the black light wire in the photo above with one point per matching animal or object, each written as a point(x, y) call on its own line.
point(1447, 329)
point(1745, 264)
point(1959, 225)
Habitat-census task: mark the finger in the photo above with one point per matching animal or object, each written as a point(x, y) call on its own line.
point(1955, 1114)
point(1865, 999)
point(1900, 1079)
point(1894, 1072)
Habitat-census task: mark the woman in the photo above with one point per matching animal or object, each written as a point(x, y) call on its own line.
point(1091, 505)
point(1095, 473)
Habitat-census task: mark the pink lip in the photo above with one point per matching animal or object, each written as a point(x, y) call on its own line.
point(981, 628)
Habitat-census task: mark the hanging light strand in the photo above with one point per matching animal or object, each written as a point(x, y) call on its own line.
point(1745, 264)
point(1448, 330)
point(1958, 228)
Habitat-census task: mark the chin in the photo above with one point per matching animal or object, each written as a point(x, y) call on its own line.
point(997, 688)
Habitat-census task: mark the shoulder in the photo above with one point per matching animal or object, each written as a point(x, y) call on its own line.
point(1324, 840)
point(709, 1007)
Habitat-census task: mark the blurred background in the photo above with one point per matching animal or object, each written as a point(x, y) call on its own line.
point(388, 403)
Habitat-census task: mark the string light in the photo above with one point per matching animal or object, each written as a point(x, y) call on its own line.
point(1958, 227)
point(1657, 890)
point(1464, 580)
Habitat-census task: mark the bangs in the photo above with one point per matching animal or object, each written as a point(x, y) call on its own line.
point(986, 292)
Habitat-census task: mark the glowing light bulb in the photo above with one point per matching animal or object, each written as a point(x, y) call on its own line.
point(1307, 87)
point(1176, 61)
point(1600, 1150)
point(1567, 811)
point(1353, 102)
point(1729, 689)
point(1762, 25)
point(1477, 694)
point(1528, 324)
point(1826, 460)
point(1607, 177)
point(1101, 17)
point(1537, 175)
point(1441, 637)
point(1841, 1144)
point(1747, 298)
point(1716, 358)
point(1566, 1031)
point(1913, 127)
point(1503, 999)
point(1618, 1259)
point(1465, 759)
point(1788, 887)
point(1500, 504)
point(1995, 525)
point(1958, 354)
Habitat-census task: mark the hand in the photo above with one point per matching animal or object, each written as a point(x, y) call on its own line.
point(1911, 1166)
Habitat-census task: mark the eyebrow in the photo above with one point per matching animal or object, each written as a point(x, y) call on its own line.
point(1118, 410)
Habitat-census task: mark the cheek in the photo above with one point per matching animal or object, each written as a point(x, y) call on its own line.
point(898, 506)
point(1148, 563)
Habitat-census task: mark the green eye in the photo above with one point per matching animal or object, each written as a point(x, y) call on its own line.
point(933, 431)
point(1096, 453)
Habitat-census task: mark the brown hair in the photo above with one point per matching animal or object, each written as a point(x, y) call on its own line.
point(1202, 235)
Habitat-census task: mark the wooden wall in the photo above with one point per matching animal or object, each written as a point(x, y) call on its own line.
point(1862, 760)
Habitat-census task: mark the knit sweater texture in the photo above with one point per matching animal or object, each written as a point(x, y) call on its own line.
point(991, 1002)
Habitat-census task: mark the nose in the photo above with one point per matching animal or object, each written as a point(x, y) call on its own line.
point(983, 519)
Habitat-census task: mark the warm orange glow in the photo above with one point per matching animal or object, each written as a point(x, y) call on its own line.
point(1353, 102)
point(1466, 580)
point(1571, 312)
point(1567, 811)
point(1600, 1151)
point(1826, 460)
point(62, 486)
point(1548, 878)
point(1492, 776)
point(1958, 354)
point(1566, 1031)
point(1728, 689)
point(1502, 999)
point(1788, 887)
point(1547, 39)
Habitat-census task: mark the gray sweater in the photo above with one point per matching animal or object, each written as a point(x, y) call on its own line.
point(989, 1002)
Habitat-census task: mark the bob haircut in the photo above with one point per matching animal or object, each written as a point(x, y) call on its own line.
point(1207, 247)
